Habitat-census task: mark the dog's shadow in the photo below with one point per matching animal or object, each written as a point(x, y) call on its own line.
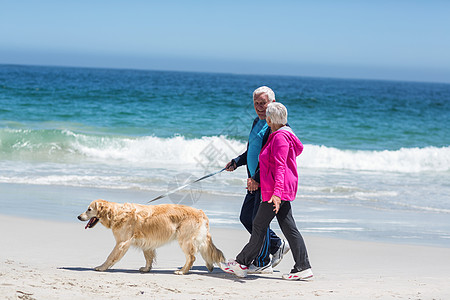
point(199, 270)
point(195, 270)
point(82, 269)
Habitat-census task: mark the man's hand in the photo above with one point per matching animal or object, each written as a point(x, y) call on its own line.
point(231, 166)
point(276, 203)
point(252, 185)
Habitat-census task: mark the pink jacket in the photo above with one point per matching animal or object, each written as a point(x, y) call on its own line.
point(278, 165)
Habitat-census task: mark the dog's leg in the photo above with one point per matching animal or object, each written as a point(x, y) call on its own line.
point(189, 251)
point(118, 252)
point(149, 256)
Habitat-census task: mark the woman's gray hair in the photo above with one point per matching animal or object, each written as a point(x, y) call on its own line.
point(277, 113)
point(266, 90)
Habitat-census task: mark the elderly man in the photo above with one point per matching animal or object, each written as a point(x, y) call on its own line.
point(259, 134)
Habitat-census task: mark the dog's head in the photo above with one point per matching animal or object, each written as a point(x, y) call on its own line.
point(93, 213)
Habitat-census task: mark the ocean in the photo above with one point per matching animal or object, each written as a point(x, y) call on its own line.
point(375, 167)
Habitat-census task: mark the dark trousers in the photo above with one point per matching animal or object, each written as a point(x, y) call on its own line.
point(287, 224)
point(271, 241)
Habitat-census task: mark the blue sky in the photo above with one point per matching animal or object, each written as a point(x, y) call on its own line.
point(399, 40)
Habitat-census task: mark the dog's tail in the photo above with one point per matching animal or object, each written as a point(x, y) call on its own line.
point(211, 254)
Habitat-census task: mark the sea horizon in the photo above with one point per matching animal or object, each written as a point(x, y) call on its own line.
point(221, 73)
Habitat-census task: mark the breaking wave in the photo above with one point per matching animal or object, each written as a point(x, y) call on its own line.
point(67, 146)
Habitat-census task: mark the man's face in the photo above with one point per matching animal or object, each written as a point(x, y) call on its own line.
point(260, 101)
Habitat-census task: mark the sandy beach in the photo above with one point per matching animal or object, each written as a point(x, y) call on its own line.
point(54, 260)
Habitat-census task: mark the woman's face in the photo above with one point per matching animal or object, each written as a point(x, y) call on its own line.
point(269, 121)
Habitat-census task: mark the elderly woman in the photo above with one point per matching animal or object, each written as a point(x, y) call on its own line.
point(279, 180)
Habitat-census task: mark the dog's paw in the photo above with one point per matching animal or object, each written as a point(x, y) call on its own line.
point(100, 269)
point(144, 269)
point(210, 267)
point(179, 272)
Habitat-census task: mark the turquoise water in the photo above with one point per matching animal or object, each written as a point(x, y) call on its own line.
point(376, 163)
point(347, 114)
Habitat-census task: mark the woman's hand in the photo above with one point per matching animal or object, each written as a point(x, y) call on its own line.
point(276, 203)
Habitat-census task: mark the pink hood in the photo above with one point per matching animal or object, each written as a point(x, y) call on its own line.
point(278, 165)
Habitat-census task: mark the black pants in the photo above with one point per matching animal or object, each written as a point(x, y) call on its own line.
point(271, 241)
point(287, 224)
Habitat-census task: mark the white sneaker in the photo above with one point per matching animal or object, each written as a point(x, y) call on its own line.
point(278, 256)
point(299, 275)
point(252, 269)
point(233, 267)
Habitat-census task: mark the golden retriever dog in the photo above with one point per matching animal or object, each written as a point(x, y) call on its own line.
point(151, 226)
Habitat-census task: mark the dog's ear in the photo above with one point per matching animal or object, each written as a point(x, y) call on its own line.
point(102, 209)
point(99, 205)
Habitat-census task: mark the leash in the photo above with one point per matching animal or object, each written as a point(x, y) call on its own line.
point(185, 185)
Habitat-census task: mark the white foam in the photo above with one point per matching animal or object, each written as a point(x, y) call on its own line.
point(180, 152)
point(331, 229)
point(217, 150)
point(403, 160)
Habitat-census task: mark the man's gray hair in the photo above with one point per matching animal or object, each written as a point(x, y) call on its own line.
point(266, 90)
point(277, 113)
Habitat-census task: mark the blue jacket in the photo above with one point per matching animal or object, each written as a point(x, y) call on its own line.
point(242, 159)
